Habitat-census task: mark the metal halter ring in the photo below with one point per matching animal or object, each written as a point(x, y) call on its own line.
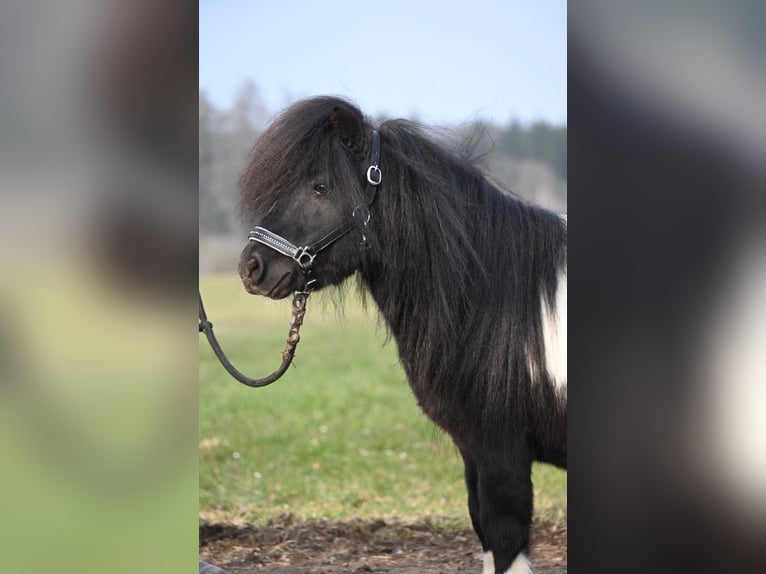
point(374, 175)
point(304, 258)
point(366, 209)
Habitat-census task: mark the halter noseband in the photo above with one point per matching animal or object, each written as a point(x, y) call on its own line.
point(304, 256)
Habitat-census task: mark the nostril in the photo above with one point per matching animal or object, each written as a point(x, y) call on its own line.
point(255, 274)
point(254, 269)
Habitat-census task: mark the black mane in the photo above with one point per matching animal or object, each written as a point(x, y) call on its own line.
point(457, 266)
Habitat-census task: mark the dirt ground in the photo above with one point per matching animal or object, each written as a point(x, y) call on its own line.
point(321, 547)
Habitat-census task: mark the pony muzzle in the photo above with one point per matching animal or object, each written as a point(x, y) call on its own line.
point(267, 275)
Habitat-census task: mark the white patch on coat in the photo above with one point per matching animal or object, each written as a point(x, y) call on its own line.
point(520, 566)
point(554, 322)
point(489, 563)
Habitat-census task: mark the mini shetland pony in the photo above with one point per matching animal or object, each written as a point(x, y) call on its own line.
point(470, 280)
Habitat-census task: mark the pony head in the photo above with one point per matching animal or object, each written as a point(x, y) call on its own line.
point(306, 176)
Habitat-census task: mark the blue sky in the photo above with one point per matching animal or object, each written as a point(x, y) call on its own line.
point(444, 62)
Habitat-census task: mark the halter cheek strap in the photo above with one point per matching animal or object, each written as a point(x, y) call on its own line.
point(304, 256)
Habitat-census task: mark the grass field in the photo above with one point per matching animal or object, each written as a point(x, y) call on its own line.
point(339, 436)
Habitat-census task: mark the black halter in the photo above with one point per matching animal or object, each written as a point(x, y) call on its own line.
point(304, 257)
point(360, 216)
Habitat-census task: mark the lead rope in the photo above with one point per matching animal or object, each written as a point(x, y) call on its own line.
point(293, 337)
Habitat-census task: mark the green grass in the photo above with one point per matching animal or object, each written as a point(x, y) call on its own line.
point(340, 436)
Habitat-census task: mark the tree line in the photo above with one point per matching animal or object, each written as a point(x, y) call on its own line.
point(531, 160)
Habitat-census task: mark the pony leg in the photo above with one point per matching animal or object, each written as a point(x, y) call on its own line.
point(505, 502)
point(472, 485)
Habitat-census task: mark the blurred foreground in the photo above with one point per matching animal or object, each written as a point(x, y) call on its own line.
point(668, 264)
point(97, 269)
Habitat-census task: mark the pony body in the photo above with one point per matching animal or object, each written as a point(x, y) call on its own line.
point(470, 280)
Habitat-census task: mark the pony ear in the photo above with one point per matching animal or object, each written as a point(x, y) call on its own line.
point(347, 124)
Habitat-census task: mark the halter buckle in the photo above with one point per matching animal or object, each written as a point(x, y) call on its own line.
point(374, 175)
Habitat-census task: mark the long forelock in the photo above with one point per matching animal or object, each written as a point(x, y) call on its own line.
point(295, 146)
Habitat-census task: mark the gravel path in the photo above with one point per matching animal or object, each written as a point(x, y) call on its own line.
point(322, 547)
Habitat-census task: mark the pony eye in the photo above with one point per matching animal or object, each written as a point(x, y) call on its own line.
point(321, 188)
